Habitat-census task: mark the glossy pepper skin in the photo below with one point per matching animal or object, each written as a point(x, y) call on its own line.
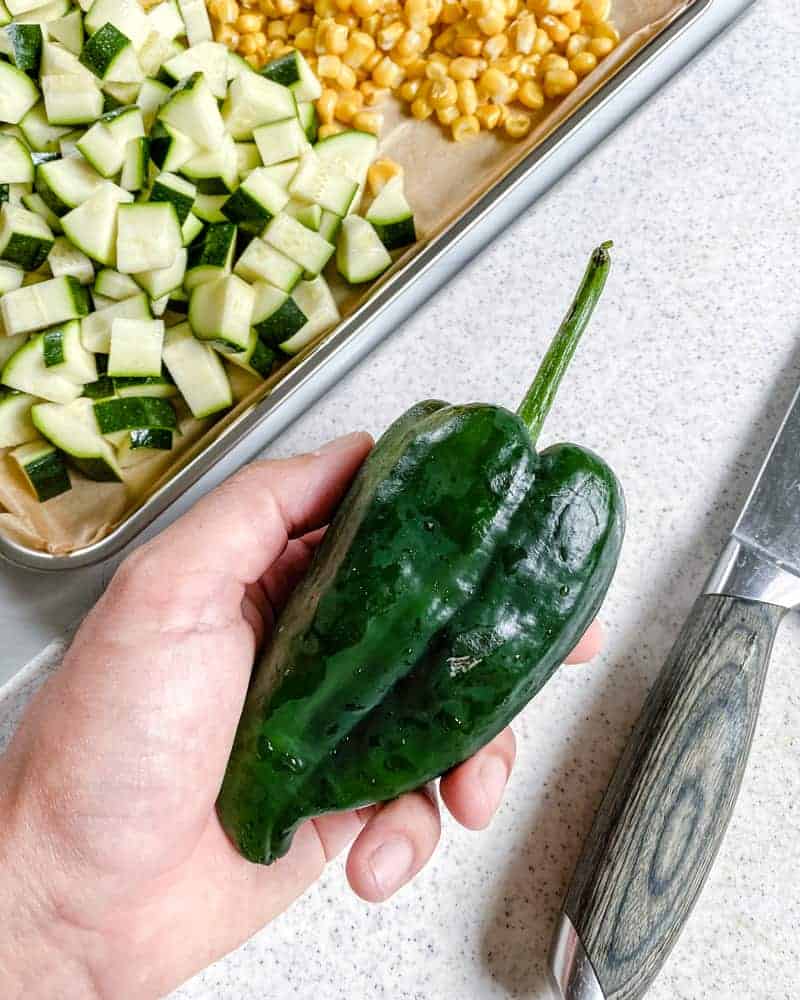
point(459, 571)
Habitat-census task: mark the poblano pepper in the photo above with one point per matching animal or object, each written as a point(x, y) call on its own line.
point(459, 571)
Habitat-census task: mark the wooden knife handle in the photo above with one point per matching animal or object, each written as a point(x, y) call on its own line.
point(666, 810)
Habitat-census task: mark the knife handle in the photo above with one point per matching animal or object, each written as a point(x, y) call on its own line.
point(666, 810)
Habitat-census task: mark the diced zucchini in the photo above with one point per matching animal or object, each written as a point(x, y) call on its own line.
point(11, 277)
point(214, 170)
point(64, 353)
point(329, 225)
point(27, 372)
point(198, 372)
point(136, 347)
point(257, 200)
point(360, 255)
point(280, 141)
point(110, 55)
point(221, 311)
point(293, 71)
point(307, 116)
point(152, 95)
point(65, 259)
point(191, 229)
point(5, 14)
point(71, 100)
point(237, 66)
point(349, 153)
point(165, 18)
point(24, 46)
point(45, 13)
point(18, 93)
point(170, 148)
point(125, 15)
point(208, 58)
point(36, 204)
point(391, 216)
point(276, 316)
point(67, 183)
point(318, 182)
point(158, 307)
point(208, 207)
point(68, 30)
point(146, 385)
point(306, 213)
point(247, 158)
point(124, 123)
point(302, 245)
point(39, 134)
point(25, 238)
point(252, 101)
point(315, 300)
point(72, 429)
point(257, 358)
point(211, 256)
point(96, 328)
point(175, 190)
point(10, 345)
point(119, 95)
point(157, 50)
point(16, 426)
point(261, 262)
point(148, 236)
point(93, 226)
point(282, 173)
point(101, 150)
point(44, 469)
point(161, 281)
point(59, 61)
point(129, 413)
point(195, 17)
point(113, 285)
point(135, 164)
point(139, 445)
point(191, 109)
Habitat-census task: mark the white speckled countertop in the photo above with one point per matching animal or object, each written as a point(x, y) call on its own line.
point(692, 358)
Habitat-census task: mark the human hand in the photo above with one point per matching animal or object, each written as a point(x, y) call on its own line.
point(119, 880)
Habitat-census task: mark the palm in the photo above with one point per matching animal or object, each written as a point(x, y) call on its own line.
point(120, 757)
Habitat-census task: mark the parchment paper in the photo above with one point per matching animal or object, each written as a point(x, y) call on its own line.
point(442, 179)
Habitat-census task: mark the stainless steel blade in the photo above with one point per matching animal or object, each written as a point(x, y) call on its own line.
point(761, 561)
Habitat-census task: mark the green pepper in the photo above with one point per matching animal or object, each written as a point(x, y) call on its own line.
point(458, 572)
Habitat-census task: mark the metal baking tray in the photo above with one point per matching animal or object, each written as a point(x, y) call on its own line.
point(409, 286)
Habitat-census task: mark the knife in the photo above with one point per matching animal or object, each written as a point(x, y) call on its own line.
point(665, 812)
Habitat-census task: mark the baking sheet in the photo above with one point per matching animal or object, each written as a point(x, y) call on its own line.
point(90, 511)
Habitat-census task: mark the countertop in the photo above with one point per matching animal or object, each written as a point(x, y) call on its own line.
point(681, 383)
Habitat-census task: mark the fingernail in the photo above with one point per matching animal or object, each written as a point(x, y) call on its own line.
point(493, 778)
point(339, 444)
point(391, 864)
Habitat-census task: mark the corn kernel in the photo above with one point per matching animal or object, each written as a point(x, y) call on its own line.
point(368, 121)
point(346, 78)
point(495, 46)
point(248, 45)
point(346, 19)
point(364, 8)
point(380, 172)
point(305, 39)
point(372, 60)
point(332, 128)
point(530, 94)
point(286, 7)
point(517, 124)
point(409, 44)
point(493, 82)
point(387, 73)
point(525, 34)
point(254, 60)
point(542, 43)
point(416, 12)
point(594, 11)
point(447, 38)
point(575, 44)
point(335, 38)
point(328, 67)
point(277, 30)
point(420, 109)
point(373, 95)
point(494, 22)
point(489, 115)
point(447, 115)
point(344, 5)
point(229, 37)
point(558, 82)
point(467, 97)
point(435, 69)
point(416, 69)
point(299, 21)
point(389, 36)
point(359, 46)
point(557, 30)
point(248, 24)
point(600, 47)
point(463, 68)
point(558, 6)
point(572, 19)
point(443, 93)
point(409, 90)
point(605, 30)
point(583, 63)
point(452, 12)
point(325, 8)
point(552, 61)
point(326, 105)
point(226, 11)
point(348, 105)
point(465, 128)
point(508, 64)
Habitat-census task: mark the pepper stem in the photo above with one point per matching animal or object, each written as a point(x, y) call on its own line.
point(539, 398)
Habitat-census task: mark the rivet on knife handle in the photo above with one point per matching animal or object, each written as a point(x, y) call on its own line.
point(666, 810)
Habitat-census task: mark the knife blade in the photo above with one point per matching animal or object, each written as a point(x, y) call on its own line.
point(666, 810)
